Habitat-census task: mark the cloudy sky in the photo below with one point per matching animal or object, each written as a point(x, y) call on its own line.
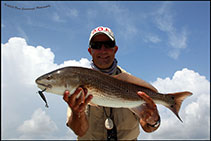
point(164, 43)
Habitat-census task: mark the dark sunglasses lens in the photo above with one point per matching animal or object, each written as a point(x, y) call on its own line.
point(98, 45)
point(109, 44)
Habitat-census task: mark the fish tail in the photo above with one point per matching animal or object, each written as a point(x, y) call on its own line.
point(177, 98)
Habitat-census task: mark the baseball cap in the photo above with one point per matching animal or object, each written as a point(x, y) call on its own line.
point(102, 30)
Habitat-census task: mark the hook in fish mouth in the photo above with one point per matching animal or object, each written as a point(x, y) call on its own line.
point(43, 90)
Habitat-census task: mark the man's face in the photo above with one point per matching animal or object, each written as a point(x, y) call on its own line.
point(104, 57)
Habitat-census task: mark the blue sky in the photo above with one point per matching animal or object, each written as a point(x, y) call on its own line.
point(155, 40)
point(65, 27)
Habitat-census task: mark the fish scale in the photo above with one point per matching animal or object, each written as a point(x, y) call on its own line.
point(109, 85)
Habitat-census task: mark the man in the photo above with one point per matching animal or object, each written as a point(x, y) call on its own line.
point(88, 122)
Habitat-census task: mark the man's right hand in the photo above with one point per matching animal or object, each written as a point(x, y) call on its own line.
point(77, 105)
point(78, 121)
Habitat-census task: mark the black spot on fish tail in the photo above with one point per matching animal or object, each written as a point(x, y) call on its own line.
point(43, 97)
point(175, 101)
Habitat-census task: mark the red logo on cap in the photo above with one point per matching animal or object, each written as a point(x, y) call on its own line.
point(100, 29)
point(107, 30)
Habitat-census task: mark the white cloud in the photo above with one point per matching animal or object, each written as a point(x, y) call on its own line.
point(22, 64)
point(57, 18)
point(72, 12)
point(164, 21)
point(91, 13)
point(152, 38)
point(164, 18)
point(40, 125)
point(130, 28)
point(22, 33)
point(122, 16)
point(63, 12)
point(2, 25)
point(70, 135)
point(83, 62)
point(195, 110)
point(24, 59)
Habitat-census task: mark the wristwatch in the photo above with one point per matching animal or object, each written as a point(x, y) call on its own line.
point(155, 125)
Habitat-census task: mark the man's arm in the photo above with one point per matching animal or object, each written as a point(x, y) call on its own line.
point(78, 121)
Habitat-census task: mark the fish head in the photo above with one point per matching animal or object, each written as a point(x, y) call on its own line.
point(57, 81)
point(45, 81)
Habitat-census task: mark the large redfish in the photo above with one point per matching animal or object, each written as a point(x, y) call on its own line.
point(108, 91)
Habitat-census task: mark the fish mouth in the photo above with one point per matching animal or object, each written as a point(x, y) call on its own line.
point(44, 85)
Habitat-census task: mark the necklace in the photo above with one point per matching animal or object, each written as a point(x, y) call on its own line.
point(108, 122)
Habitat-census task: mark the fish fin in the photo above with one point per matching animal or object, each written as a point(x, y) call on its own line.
point(92, 104)
point(178, 99)
point(137, 111)
point(134, 80)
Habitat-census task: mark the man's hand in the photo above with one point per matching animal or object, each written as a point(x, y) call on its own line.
point(77, 105)
point(150, 119)
point(78, 120)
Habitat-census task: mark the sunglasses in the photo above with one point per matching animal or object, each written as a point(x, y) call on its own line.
point(98, 45)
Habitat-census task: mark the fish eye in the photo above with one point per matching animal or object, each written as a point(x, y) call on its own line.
point(49, 77)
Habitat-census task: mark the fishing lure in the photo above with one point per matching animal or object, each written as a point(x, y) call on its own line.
point(43, 97)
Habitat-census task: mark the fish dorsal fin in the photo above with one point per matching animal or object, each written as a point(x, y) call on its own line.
point(134, 80)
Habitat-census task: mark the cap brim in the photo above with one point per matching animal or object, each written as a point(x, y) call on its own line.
point(100, 32)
